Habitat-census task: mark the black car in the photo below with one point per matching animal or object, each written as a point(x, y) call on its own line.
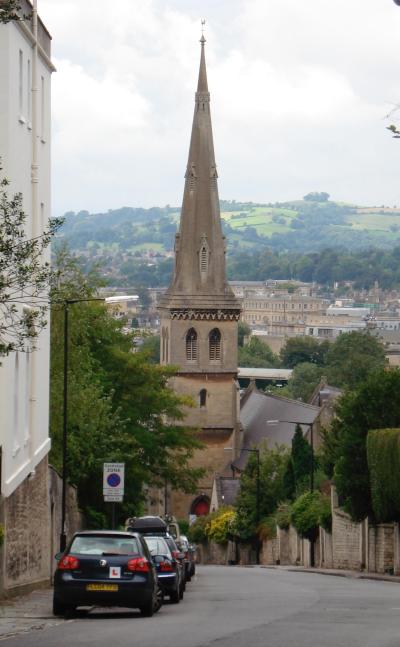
point(169, 571)
point(106, 568)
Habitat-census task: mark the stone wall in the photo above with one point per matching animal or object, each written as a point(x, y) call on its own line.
point(31, 516)
point(346, 536)
point(26, 548)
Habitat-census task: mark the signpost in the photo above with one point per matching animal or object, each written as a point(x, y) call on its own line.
point(113, 485)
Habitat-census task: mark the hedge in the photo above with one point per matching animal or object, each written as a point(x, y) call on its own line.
point(383, 455)
point(309, 511)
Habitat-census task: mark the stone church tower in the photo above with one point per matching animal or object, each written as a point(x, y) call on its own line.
point(199, 312)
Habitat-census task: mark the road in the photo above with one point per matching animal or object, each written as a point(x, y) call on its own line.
point(245, 607)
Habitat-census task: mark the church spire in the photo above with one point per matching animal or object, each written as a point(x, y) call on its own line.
point(199, 275)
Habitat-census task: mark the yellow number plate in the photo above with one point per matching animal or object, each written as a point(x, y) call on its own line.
point(101, 587)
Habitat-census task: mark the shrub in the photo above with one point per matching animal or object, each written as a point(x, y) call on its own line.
point(220, 525)
point(183, 526)
point(267, 528)
point(309, 511)
point(282, 516)
point(383, 455)
point(197, 531)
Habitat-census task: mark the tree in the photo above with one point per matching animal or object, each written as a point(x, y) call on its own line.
point(303, 381)
point(273, 464)
point(120, 406)
point(374, 404)
point(244, 330)
point(24, 276)
point(10, 10)
point(257, 354)
point(315, 196)
point(297, 350)
point(298, 470)
point(352, 357)
point(151, 348)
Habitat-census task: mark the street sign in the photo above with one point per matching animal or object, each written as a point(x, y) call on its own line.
point(113, 481)
point(113, 499)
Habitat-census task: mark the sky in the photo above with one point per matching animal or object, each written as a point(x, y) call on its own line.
point(299, 97)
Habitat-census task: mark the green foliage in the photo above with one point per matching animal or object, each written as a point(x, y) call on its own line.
point(151, 349)
point(374, 404)
point(315, 196)
point(309, 511)
point(303, 381)
point(353, 357)
point(11, 10)
point(298, 350)
point(25, 274)
point(257, 354)
point(243, 331)
point(272, 468)
point(220, 525)
point(283, 515)
point(120, 407)
point(301, 456)
point(267, 528)
point(383, 455)
point(197, 531)
point(183, 526)
point(1, 534)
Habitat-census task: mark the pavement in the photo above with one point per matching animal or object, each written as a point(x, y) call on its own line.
point(26, 613)
point(32, 613)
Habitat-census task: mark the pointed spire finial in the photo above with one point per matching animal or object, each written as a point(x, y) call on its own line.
point(202, 39)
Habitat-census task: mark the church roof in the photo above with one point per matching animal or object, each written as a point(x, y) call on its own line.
point(199, 279)
point(258, 408)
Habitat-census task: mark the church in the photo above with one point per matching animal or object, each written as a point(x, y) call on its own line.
point(199, 314)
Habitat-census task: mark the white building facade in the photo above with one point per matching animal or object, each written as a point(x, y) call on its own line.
point(25, 129)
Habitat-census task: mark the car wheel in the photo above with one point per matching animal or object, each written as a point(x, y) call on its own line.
point(175, 597)
point(60, 609)
point(159, 599)
point(148, 610)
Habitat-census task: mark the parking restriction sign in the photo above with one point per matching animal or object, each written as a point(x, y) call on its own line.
point(113, 481)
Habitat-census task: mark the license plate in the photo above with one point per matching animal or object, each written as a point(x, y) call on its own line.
point(101, 587)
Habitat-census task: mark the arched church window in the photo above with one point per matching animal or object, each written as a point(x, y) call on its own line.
point(215, 344)
point(203, 397)
point(191, 345)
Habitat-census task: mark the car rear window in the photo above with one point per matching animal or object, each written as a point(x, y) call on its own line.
point(157, 546)
point(100, 544)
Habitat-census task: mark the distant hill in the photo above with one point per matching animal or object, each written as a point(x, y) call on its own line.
point(122, 239)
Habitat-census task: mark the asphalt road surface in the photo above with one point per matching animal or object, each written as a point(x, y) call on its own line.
point(245, 607)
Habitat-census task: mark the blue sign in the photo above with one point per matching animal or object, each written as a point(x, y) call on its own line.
point(113, 479)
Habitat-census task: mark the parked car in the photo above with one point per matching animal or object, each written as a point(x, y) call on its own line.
point(189, 551)
point(157, 527)
point(169, 570)
point(106, 568)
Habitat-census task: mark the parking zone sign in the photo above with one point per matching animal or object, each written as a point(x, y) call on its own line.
point(113, 481)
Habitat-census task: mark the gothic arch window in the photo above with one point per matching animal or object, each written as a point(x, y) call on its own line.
point(203, 259)
point(215, 345)
point(203, 397)
point(191, 345)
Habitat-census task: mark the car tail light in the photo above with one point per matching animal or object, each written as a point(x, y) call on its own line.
point(139, 565)
point(175, 554)
point(166, 566)
point(186, 555)
point(68, 563)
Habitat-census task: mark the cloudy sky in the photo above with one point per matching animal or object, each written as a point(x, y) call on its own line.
point(299, 94)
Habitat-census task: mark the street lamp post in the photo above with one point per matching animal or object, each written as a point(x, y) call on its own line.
point(310, 425)
point(64, 472)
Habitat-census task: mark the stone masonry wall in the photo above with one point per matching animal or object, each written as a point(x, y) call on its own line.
point(32, 520)
point(346, 541)
point(27, 538)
